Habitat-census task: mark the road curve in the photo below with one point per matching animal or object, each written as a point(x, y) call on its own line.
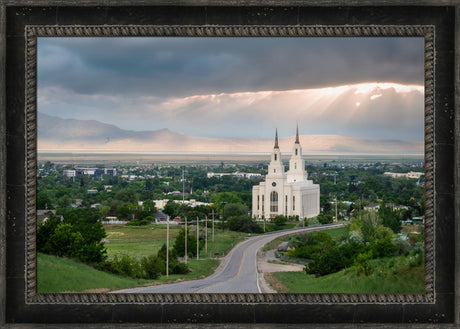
point(237, 273)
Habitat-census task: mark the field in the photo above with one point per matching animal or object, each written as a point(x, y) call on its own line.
point(56, 274)
point(347, 281)
point(139, 241)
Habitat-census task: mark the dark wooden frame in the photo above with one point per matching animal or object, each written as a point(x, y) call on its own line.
point(21, 24)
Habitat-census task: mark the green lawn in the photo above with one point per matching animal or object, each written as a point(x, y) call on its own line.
point(56, 274)
point(410, 280)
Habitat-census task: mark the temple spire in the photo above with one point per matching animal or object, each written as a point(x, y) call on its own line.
point(297, 134)
point(276, 139)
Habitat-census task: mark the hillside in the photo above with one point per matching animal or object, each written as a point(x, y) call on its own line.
point(56, 134)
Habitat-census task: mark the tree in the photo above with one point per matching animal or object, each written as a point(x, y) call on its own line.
point(235, 209)
point(171, 209)
point(390, 219)
point(243, 223)
point(325, 218)
point(179, 243)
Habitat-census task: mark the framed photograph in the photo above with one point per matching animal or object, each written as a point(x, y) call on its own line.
point(98, 88)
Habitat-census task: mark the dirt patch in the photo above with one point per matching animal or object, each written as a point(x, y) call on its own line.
point(95, 291)
point(274, 283)
point(114, 234)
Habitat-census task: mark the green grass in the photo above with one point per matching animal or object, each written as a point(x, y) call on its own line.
point(57, 274)
point(223, 242)
point(409, 280)
point(335, 233)
point(140, 241)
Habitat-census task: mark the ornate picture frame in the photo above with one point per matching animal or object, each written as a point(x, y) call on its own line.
point(25, 24)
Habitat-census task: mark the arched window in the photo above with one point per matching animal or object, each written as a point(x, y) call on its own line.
point(274, 202)
point(296, 150)
point(275, 157)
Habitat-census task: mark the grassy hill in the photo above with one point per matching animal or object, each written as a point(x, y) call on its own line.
point(408, 280)
point(56, 274)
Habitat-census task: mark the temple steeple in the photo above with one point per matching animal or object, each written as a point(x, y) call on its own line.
point(275, 168)
point(297, 141)
point(297, 170)
point(276, 139)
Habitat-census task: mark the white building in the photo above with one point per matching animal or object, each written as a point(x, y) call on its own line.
point(69, 172)
point(286, 193)
point(411, 174)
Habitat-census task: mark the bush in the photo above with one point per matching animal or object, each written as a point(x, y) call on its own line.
point(279, 220)
point(356, 236)
point(325, 218)
point(243, 224)
point(77, 235)
point(137, 222)
point(179, 244)
point(307, 245)
point(152, 267)
point(362, 264)
point(402, 245)
point(313, 221)
point(383, 248)
point(127, 266)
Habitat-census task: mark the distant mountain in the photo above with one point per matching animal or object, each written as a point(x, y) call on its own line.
point(56, 134)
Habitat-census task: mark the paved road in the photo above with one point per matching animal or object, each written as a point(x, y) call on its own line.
point(238, 272)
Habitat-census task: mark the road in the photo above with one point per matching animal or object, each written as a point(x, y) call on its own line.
point(238, 272)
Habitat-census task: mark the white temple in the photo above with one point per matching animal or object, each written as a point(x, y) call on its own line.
point(286, 193)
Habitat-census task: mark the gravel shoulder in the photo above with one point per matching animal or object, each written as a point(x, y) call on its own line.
point(264, 266)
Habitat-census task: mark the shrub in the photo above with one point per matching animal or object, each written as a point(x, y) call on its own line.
point(325, 218)
point(356, 236)
point(362, 264)
point(402, 245)
point(179, 244)
point(127, 266)
point(383, 248)
point(152, 267)
point(313, 221)
point(279, 220)
point(243, 224)
point(137, 222)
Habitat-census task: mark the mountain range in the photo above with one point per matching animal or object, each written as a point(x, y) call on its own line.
point(57, 134)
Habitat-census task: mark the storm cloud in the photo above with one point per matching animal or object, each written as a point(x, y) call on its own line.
point(236, 86)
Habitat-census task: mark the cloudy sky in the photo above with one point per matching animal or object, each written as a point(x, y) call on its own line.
point(238, 87)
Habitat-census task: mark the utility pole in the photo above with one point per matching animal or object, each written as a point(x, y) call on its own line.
point(263, 217)
point(212, 225)
point(167, 247)
point(206, 237)
point(197, 238)
point(336, 218)
point(183, 186)
point(186, 233)
point(223, 215)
